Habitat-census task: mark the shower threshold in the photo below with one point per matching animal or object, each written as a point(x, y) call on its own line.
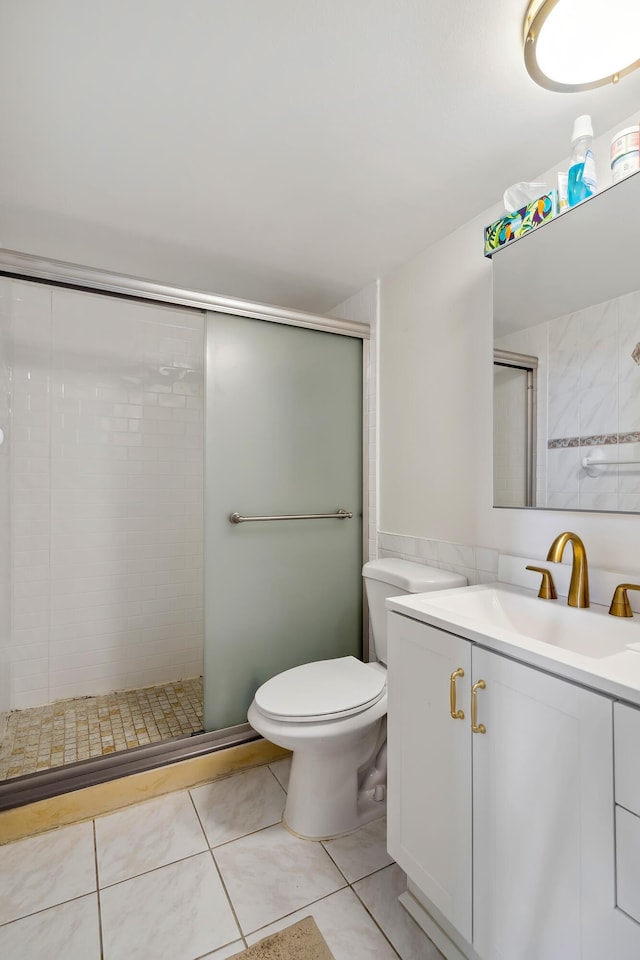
point(83, 728)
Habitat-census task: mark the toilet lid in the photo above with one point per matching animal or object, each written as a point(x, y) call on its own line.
point(324, 690)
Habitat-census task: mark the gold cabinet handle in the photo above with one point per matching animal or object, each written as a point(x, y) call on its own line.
point(455, 714)
point(547, 589)
point(620, 606)
point(475, 726)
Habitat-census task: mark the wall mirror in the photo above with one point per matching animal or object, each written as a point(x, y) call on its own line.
point(566, 301)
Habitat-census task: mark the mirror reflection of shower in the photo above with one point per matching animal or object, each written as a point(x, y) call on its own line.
point(514, 429)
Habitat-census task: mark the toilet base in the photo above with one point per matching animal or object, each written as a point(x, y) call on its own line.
point(376, 811)
point(338, 768)
point(329, 796)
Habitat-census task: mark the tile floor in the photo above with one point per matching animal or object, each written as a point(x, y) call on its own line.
point(39, 738)
point(201, 873)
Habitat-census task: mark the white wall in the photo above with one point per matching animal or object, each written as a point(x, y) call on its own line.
point(106, 485)
point(436, 342)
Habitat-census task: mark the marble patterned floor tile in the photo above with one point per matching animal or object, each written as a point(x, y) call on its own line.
point(362, 852)
point(238, 805)
point(45, 870)
point(146, 836)
point(344, 923)
point(380, 893)
point(272, 873)
point(69, 930)
point(281, 770)
point(231, 950)
point(178, 912)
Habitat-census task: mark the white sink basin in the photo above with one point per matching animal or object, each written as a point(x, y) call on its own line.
point(517, 615)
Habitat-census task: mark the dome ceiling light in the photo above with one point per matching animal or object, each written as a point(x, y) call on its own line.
point(572, 45)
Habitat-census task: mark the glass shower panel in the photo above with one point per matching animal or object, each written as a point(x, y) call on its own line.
point(283, 436)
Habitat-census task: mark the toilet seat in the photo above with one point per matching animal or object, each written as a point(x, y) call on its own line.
point(324, 690)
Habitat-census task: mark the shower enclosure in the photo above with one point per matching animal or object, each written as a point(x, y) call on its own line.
point(112, 399)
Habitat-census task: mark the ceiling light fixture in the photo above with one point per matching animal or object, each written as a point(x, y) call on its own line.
point(572, 45)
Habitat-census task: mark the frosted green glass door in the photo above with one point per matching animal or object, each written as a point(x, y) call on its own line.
point(283, 436)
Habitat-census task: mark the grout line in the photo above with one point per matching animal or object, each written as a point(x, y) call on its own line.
point(333, 860)
point(305, 906)
point(212, 953)
point(243, 836)
point(95, 854)
point(144, 873)
point(52, 906)
point(282, 787)
point(360, 900)
point(219, 872)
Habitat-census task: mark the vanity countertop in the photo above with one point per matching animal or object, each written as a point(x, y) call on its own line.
point(478, 614)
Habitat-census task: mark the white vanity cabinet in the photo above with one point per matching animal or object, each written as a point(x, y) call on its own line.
point(507, 836)
point(627, 797)
point(429, 765)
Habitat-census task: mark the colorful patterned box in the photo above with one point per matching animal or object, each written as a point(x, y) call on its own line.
point(514, 225)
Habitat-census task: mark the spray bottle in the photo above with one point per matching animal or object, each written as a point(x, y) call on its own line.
point(582, 181)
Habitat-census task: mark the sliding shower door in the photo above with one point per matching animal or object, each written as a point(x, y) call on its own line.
point(283, 436)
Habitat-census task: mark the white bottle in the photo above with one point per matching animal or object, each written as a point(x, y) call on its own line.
point(582, 182)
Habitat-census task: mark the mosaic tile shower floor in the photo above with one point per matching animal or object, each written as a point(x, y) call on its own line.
point(39, 738)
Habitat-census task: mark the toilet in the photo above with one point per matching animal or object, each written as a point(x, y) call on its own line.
point(332, 715)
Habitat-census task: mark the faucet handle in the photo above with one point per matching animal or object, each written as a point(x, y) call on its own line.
point(620, 606)
point(547, 589)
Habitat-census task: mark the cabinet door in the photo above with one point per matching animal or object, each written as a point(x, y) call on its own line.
point(429, 799)
point(543, 868)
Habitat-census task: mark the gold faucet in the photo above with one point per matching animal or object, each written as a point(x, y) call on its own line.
point(547, 589)
point(620, 606)
point(579, 585)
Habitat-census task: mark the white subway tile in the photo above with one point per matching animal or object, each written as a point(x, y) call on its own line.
point(34, 669)
point(23, 699)
point(171, 400)
point(21, 650)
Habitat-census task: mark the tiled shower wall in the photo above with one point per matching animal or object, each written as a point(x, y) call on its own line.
point(106, 481)
point(589, 404)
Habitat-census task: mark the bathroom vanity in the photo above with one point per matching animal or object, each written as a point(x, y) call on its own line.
point(503, 808)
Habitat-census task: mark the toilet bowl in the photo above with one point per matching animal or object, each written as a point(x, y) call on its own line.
point(332, 715)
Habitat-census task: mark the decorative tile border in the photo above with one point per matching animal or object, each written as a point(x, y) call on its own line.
point(563, 443)
point(601, 440)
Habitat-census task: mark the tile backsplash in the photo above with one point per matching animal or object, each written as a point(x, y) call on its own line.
point(477, 564)
point(107, 488)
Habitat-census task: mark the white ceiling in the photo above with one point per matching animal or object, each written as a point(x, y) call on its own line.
point(288, 151)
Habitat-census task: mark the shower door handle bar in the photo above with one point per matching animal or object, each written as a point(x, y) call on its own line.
point(340, 514)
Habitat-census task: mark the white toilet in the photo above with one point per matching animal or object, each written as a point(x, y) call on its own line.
point(332, 715)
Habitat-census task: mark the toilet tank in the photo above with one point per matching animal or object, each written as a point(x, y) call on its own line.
point(393, 578)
